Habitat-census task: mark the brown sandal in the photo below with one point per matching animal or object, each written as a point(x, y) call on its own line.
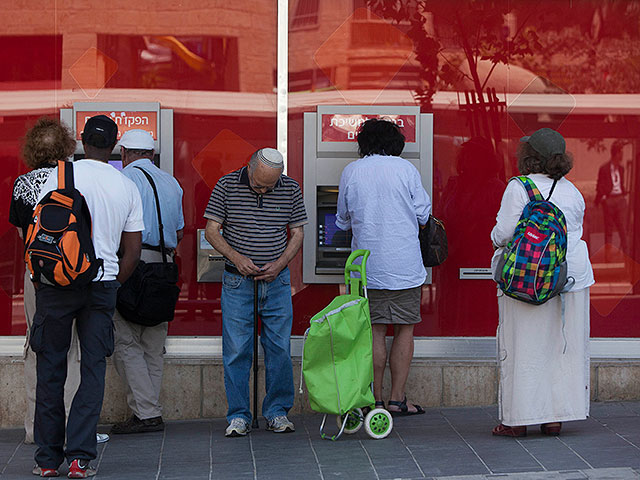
point(506, 431)
point(550, 429)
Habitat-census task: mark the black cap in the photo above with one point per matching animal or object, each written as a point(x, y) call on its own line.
point(546, 142)
point(100, 132)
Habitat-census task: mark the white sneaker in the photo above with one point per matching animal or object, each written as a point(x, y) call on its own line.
point(102, 437)
point(281, 424)
point(238, 427)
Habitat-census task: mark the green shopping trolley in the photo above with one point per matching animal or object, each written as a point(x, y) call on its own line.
point(337, 361)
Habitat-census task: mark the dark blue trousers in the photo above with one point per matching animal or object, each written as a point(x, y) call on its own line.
point(93, 308)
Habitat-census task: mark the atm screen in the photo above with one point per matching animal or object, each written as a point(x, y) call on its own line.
point(116, 163)
point(329, 234)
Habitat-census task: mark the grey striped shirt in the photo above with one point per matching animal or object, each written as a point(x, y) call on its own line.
point(256, 225)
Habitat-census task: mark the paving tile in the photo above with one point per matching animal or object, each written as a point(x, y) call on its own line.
point(611, 474)
point(238, 470)
point(288, 470)
point(462, 477)
point(610, 409)
point(554, 455)
point(405, 470)
point(449, 462)
point(546, 475)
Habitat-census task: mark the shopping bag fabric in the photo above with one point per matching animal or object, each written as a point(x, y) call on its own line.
point(338, 357)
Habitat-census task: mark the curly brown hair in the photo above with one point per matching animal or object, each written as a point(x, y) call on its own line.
point(530, 161)
point(47, 142)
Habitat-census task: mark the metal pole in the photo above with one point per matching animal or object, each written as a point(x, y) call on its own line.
point(255, 354)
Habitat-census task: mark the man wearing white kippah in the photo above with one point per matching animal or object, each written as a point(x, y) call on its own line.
point(254, 207)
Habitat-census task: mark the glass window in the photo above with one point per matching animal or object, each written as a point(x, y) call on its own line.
point(497, 70)
point(211, 63)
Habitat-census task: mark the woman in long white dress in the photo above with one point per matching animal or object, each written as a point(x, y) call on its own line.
point(544, 363)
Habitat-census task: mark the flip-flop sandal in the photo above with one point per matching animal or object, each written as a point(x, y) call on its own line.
point(404, 409)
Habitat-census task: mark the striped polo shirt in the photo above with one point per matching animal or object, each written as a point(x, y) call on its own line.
point(255, 225)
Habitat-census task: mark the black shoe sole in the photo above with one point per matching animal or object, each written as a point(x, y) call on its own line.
point(157, 428)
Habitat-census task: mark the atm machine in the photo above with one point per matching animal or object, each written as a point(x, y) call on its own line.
point(329, 145)
point(128, 116)
point(158, 122)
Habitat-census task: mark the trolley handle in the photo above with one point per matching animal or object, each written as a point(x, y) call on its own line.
point(354, 284)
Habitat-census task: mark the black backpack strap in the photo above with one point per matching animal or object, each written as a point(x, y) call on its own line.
point(552, 187)
point(65, 175)
point(160, 226)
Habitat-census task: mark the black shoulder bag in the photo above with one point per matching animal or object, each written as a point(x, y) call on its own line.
point(150, 294)
point(433, 242)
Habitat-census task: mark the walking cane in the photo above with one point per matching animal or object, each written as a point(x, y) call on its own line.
point(255, 354)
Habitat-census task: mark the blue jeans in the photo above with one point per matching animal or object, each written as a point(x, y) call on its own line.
point(276, 313)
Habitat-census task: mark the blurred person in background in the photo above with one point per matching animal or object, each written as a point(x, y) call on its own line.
point(611, 193)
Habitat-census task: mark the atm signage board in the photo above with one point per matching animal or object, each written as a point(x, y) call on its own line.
point(126, 120)
point(343, 127)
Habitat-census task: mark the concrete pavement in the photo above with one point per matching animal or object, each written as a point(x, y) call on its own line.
point(451, 443)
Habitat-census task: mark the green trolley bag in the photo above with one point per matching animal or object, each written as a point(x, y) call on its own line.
point(337, 362)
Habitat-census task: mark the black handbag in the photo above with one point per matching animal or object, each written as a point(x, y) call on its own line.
point(433, 242)
point(150, 294)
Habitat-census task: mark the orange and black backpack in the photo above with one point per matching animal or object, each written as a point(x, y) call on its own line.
point(59, 247)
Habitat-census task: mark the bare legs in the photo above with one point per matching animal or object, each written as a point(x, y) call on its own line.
point(399, 361)
point(379, 358)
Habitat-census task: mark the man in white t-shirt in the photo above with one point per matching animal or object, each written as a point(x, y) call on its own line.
point(117, 222)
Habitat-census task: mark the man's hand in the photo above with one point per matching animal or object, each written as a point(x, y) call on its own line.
point(246, 266)
point(269, 272)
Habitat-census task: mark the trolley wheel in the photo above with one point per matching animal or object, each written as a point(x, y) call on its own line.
point(354, 419)
point(378, 423)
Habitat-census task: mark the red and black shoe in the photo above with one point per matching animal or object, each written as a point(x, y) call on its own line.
point(80, 468)
point(45, 472)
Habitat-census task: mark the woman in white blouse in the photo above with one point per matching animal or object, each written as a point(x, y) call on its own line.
point(544, 365)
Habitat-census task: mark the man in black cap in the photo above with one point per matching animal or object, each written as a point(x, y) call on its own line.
point(116, 214)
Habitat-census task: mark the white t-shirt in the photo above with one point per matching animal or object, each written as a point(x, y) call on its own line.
point(115, 207)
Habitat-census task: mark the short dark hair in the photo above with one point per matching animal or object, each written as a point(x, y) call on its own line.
point(380, 136)
point(530, 161)
point(616, 148)
point(47, 142)
point(137, 152)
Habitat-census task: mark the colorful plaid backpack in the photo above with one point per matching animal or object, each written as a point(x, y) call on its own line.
point(533, 267)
